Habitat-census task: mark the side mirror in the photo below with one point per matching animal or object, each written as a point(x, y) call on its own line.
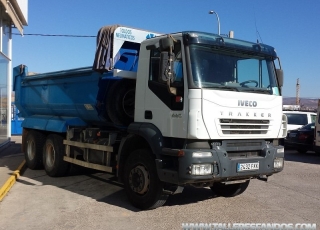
point(164, 59)
point(166, 67)
point(167, 58)
point(165, 44)
point(279, 73)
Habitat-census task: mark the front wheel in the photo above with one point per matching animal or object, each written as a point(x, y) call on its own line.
point(53, 152)
point(141, 182)
point(229, 190)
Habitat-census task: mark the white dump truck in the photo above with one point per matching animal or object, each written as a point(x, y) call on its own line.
point(160, 112)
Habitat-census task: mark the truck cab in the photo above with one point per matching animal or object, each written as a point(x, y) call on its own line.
point(224, 89)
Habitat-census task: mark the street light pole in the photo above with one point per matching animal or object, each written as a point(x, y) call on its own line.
point(213, 12)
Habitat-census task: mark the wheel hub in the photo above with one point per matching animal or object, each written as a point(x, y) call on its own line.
point(50, 155)
point(139, 180)
point(31, 150)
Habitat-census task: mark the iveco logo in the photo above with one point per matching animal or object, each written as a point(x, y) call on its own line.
point(247, 103)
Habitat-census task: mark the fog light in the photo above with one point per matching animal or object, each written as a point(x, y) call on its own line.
point(278, 163)
point(202, 154)
point(280, 150)
point(203, 169)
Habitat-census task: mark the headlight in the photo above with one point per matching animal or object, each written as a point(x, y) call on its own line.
point(278, 163)
point(201, 169)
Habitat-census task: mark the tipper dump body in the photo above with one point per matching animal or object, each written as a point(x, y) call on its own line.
point(52, 101)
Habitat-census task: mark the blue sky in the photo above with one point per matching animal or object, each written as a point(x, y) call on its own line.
point(291, 26)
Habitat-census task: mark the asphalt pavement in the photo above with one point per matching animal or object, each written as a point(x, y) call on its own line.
point(96, 201)
point(12, 164)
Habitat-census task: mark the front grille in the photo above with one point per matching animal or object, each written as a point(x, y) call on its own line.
point(243, 126)
point(244, 121)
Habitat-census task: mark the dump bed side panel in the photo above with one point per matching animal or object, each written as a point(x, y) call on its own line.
point(70, 95)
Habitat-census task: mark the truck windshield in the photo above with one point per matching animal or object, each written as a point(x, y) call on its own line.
point(233, 70)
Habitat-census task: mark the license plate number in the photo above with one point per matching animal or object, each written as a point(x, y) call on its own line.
point(292, 134)
point(247, 166)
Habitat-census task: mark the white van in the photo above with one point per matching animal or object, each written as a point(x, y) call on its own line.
point(296, 119)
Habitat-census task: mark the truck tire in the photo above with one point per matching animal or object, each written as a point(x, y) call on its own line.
point(120, 102)
point(53, 152)
point(141, 182)
point(229, 190)
point(33, 149)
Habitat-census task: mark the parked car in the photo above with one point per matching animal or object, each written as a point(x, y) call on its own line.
point(297, 119)
point(301, 139)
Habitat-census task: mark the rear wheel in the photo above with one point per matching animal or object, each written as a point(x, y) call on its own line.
point(229, 190)
point(33, 149)
point(53, 152)
point(141, 182)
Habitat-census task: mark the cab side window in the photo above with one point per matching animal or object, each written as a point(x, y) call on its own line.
point(160, 88)
point(154, 65)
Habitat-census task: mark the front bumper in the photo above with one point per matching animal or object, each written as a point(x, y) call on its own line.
point(224, 165)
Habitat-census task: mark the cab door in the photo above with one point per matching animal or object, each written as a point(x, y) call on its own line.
point(317, 130)
point(167, 111)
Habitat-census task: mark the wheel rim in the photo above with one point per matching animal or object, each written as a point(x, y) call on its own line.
point(31, 148)
point(50, 155)
point(139, 180)
point(128, 103)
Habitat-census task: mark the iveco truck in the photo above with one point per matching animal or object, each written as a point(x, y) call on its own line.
point(160, 111)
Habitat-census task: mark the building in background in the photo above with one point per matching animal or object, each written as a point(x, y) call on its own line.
point(13, 17)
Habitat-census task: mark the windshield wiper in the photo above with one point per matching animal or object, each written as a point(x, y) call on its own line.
point(223, 87)
point(256, 90)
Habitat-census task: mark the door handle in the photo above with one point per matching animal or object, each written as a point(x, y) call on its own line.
point(148, 115)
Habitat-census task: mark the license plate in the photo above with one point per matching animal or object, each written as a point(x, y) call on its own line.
point(247, 166)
